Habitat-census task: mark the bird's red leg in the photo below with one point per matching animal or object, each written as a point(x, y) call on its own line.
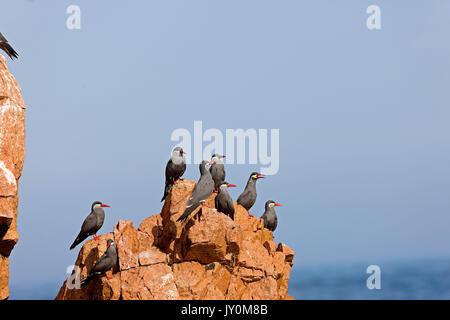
point(95, 237)
point(216, 191)
point(249, 214)
point(174, 181)
point(205, 205)
point(182, 179)
point(108, 276)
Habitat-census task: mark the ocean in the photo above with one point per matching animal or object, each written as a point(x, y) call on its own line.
point(406, 280)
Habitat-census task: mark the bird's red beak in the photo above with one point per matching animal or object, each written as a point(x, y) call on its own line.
point(182, 151)
point(278, 204)
point(108, 244)
point(105, 205)
point(231, 185)
point(259, 176)
point(222, 157)
point(212, 162)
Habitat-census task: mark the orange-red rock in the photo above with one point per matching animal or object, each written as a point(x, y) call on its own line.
point(208, 257)
point(236, 288)
point(127, 244)
point(135, 248)
point(288, 253)
point(190, 279)
point(12, 155)
point(214, 237)
point(264, 289)
point(4, 276)
point(154, 282)
point(153, 227)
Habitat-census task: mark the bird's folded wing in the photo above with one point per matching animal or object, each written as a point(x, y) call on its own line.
point(103, 264)
point(89, 223)
point(230, 205)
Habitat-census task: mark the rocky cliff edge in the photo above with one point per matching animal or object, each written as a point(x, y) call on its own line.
point(12, 155)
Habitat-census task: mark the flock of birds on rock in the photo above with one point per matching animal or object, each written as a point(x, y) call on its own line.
point(212, 179)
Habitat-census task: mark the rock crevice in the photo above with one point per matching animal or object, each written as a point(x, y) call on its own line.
point(208, 257)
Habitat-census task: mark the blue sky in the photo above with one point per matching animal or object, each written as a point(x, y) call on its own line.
point(363, 118)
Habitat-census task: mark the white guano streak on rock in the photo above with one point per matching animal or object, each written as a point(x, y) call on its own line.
point(171, 294)
point(165, 279)
point(6, 106)
point(8, 174)
point(144, 255)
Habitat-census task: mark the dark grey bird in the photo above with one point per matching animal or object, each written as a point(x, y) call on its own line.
point(175, 168)
point(248, 198)
point(217, 171)
point(92, 223)
point(270, 216)
point(223, 201)
point(5, 46)
point(106, 262)
point(203, 189)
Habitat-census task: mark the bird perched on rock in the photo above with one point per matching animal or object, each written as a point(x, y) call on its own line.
point(5, 46)
point(175, 168)
point(107, 261)
point(248, 198)
point(92, 223)
point(203, 189)
point(223, 200)
point(217, 171)
point(270, 216)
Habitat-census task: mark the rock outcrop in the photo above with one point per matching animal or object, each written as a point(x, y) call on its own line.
point(12, 155)
point(209, 257)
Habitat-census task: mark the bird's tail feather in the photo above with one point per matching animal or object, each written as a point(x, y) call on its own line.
point(77, 241)
point(167, 189)
point(86, 280)
point(10, 51)
point(187, 213)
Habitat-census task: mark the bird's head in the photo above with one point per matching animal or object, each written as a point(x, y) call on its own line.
point(109, 243)
point(98, 204)
point(216, 157)
point(178, 152)
point(204, 165)
point(255, 176)
point(227, 185)
point(271, 204)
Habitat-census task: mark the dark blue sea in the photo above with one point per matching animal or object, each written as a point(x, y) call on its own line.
point(416, 279)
